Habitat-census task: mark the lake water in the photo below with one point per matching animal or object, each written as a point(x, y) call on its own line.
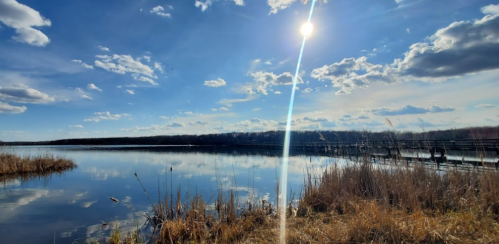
point(70, 207)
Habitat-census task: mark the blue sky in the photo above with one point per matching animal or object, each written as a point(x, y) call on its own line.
point(83, 68)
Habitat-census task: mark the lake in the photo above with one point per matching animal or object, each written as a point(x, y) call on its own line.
point(71, 207)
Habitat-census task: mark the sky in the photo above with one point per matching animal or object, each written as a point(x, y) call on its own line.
point(88, 68)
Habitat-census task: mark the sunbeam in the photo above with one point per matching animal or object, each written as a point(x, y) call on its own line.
point(285, 153)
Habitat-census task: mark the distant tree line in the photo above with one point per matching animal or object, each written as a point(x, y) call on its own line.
point(277, 137)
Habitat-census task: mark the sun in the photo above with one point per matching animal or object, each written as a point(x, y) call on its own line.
point(306, 29)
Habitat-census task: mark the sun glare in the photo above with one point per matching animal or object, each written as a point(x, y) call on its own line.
point(306, 29)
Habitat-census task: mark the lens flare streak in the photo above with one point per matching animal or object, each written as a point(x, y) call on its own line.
point(285, 154)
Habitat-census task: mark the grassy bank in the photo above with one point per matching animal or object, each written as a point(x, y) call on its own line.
point(14, 164)
point(358, 203)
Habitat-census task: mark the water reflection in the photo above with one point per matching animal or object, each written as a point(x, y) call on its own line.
point(75, 203)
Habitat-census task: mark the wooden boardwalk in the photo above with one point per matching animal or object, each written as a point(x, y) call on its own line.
point(436, 149)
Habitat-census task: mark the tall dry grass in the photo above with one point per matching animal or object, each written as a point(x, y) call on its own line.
point(363, 203)
point(14, 164)
point(195, 221)
point(358, 203)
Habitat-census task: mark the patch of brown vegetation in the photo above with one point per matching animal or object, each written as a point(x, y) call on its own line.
point(359, 203)
point(14, 164)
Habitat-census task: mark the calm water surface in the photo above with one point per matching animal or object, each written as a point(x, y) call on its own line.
point(71, 206)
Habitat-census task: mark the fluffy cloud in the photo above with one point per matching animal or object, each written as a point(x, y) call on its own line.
point(93, 87)
point(123, 64)
point(163, 117)
point(159, 10)
point(215, 83)
point(345, 74)
point(23, 94)
point(131, 92)
point(408, 109)
point(102, 48)
point(23, 18)
point(264, 80)
point(204, 5)
point(461, 48)
point(99, 116)
point(276, 5)
point(76, 126)
point(9, 109)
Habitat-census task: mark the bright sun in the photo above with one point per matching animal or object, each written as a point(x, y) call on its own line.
point(306, 29)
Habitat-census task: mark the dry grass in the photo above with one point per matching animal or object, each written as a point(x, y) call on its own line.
point(359, 203)
point(13, 164)
point(198, 222)
point(362, 203)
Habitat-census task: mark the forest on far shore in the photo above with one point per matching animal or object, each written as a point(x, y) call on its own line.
point(277, 137)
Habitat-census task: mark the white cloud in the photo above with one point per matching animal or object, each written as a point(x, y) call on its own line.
point(268, 62)
point(204, 5)
point(159, 10)
point(105, 116)
point(123, 64)
point(276, 5)
point(198, 123)
point(263, 80)
point(23, 18)
point(9, 109)
point(491, 9)
point(76, 126)
point(307, 90)
point(174, 125)
point(313, 119)
point(229, 102)
point(461, 48)
point(87, 66)
point(215, 83)
point(256, 109)
point(486, 105)
point(408, 109)
point(163, 117)
point(24, 94)
point(223, 109)
point(93, 87)
point(102, 48)
point(277, 92)
point(85, 96)
point(157, 66)
point(144, 79)
point(131, 92)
